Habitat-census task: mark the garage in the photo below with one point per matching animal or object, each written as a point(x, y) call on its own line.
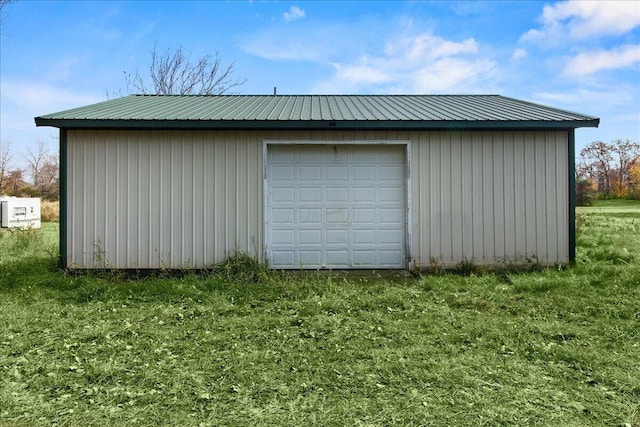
point(316, 181)
point(336, 205)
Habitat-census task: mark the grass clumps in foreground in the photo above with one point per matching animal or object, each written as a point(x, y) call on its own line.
point(532, 348)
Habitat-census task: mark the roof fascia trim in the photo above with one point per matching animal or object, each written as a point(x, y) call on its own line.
point(312, 124)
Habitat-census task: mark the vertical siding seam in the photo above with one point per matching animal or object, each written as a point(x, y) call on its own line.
point(205, 200)
point(171, 218)
point(117, 211)
point(504, 202)
point(238, 231)
point(546, 198)
point(147, 259)
point(138, 201)
point(181, 204)
point(196, 258)
point(161, 196)
point(526, 195)
point(461, 176)
point(86, 162)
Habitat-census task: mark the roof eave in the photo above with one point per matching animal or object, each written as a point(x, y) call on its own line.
point(314, 124)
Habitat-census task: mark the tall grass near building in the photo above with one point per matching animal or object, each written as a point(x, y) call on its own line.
point(50, 211)
point(247, 346)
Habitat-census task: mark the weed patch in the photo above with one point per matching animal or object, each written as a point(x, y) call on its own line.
point(49, 211)
point(241, 267)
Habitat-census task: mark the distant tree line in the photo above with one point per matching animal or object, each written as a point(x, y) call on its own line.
point(608, 170)
point(38, 179)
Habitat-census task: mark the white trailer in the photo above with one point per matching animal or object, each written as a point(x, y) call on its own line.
point(19, 212)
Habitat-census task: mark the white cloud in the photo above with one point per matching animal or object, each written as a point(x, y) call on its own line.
point(518, 54)
point(423, 63)
point(591, 62)
point(389, 59)
point(294, 44)
point(633, 117)
point(452, 75)
point(362, 73)
point(578, 20)
point(269, 47)
point(586, 99)
point(417, 48)
point(293, 14)
point(42, 98)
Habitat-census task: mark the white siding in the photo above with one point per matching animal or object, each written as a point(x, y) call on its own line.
point(490, 198)
point(152, 199)
point(175, 199)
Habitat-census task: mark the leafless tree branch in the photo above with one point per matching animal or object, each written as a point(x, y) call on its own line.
point(5, 160)
point(173, 73)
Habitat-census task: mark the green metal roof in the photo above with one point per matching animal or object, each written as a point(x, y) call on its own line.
point(421, 112)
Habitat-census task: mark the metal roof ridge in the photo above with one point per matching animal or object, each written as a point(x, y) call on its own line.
point(257, 95)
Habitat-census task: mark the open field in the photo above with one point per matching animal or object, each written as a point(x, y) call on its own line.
point(246, 346)
point(611, 206)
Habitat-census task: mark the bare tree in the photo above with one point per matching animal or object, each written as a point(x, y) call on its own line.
point(596, 159)
point(625, 152)
point(36, 159)
point(43, 168)
point(173, 73)
point(5, 160)
point(4, 3)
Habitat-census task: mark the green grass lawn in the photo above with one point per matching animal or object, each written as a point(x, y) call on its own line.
point(611, 206)
point(550, 347)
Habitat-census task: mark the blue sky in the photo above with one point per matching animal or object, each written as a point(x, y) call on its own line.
point(579, 56)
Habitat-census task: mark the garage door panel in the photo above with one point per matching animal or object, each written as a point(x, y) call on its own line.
point(283, 237)
point(365, 258)
point(337, 216)
point(364, 156)
point(390, 173)
point(308, 216)
point(337, 236)
point(282, 173)
point(390, 215)
point(283, 258)
point(337, 258)
point(310, 173)
point(389, 236)
point(364, 216)
point(283, 195)
point(309, 194)
point(363, 173)
point(310, 258)
point(337, 173)
point(391, 258)
point(364, 237)
point(283, 215)
point(337, 195)
point(283, 158)
point(336, 206)
point(363, 195)
point(389, 195)
point(310, 237)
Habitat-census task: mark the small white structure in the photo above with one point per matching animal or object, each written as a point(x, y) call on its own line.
point(19, 212)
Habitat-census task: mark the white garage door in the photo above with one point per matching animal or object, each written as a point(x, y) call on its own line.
point(336, 206)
